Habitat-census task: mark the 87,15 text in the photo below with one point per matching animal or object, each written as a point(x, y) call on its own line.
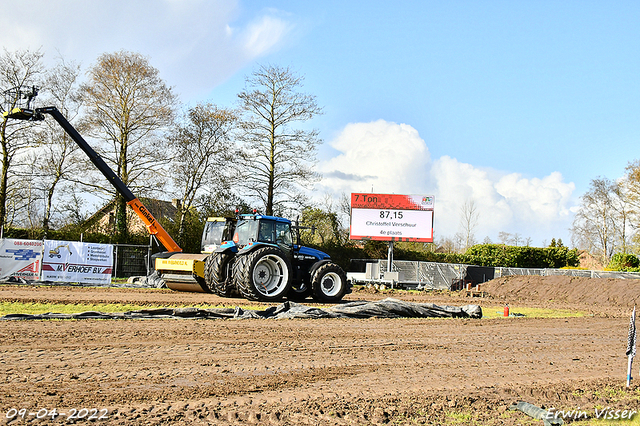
point(70, 414)
point(391, 214)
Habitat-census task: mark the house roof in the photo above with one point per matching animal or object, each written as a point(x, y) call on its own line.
point(158, 208)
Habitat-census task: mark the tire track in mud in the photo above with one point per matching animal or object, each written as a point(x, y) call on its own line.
point(341, 371)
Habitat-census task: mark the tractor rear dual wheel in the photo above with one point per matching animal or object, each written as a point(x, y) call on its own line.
point(263, 275)
point(216, 274)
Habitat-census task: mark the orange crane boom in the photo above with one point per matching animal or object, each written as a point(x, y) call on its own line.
point(143, 213)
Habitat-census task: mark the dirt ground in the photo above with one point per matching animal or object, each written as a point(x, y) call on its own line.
point(322, 372)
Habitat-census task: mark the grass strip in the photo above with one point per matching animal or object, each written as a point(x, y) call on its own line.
point(498, 311)
point(34, 308)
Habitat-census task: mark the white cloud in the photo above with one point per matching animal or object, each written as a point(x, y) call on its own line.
point(196, 44)
point(379, 155)
point(263, 35)
point(392, 158)
point(546, 197)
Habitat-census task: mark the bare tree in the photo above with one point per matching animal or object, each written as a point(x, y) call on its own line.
point(630, 190)
point(632, 184)
point(128, 107)
point(459, 241)
point(505, 238)
point(517, 239)
point(624, 212)
point(19, 71)
point(24, 204)
point(469, 222)
point(594, 225)
point(279, 157)
point(54, 160)
point(446, 245)
point(202, 149)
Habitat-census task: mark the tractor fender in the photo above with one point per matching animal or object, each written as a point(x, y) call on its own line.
point(227, 247)
point(308, 252)
point(316, 265)
point(254, 246)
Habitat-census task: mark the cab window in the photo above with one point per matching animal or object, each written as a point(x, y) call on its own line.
point(283, 234)
point(245, 232)
point(267, 232)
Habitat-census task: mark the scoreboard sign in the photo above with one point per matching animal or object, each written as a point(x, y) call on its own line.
point(392, 217)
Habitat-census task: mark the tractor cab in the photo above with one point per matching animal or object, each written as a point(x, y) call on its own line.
point(255, 229)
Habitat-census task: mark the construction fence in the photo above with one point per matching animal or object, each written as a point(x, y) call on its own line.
point(448, 276)
point(130, 260)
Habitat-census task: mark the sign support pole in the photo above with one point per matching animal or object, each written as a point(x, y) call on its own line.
point(390, 257)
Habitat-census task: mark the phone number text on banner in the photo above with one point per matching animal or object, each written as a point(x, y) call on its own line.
point(20, 258)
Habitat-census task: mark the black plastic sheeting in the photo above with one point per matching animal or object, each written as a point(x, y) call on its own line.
point(537, 413)
point(387, 308)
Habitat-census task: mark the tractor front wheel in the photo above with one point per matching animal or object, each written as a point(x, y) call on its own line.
point(329, 283)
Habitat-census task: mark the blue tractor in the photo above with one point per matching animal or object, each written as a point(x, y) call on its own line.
point(262, 263)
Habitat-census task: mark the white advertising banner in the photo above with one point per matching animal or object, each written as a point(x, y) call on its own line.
point(65, 261)
point(392, 217)
point(20, 258)
point(388, 225)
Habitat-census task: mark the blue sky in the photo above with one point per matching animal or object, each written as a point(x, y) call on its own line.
point(516, 105)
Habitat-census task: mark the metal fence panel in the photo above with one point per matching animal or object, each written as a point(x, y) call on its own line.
point(504, 272)
point(409, 270)
point(614, 274)
point(130, 260)
point(449, 276)
point(427, 275)
point(569, 272)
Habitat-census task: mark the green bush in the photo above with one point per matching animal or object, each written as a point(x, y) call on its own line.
point(624, 262)
point(521, 257)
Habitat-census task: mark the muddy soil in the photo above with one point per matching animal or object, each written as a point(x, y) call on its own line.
point(316, 372)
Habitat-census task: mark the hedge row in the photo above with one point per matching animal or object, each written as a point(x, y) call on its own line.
point(522, 257)
point(495, 255)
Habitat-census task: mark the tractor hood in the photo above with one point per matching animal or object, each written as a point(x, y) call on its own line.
point(316, 254)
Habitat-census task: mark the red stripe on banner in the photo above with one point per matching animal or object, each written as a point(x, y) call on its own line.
point(391, 201)
point(30, 268)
